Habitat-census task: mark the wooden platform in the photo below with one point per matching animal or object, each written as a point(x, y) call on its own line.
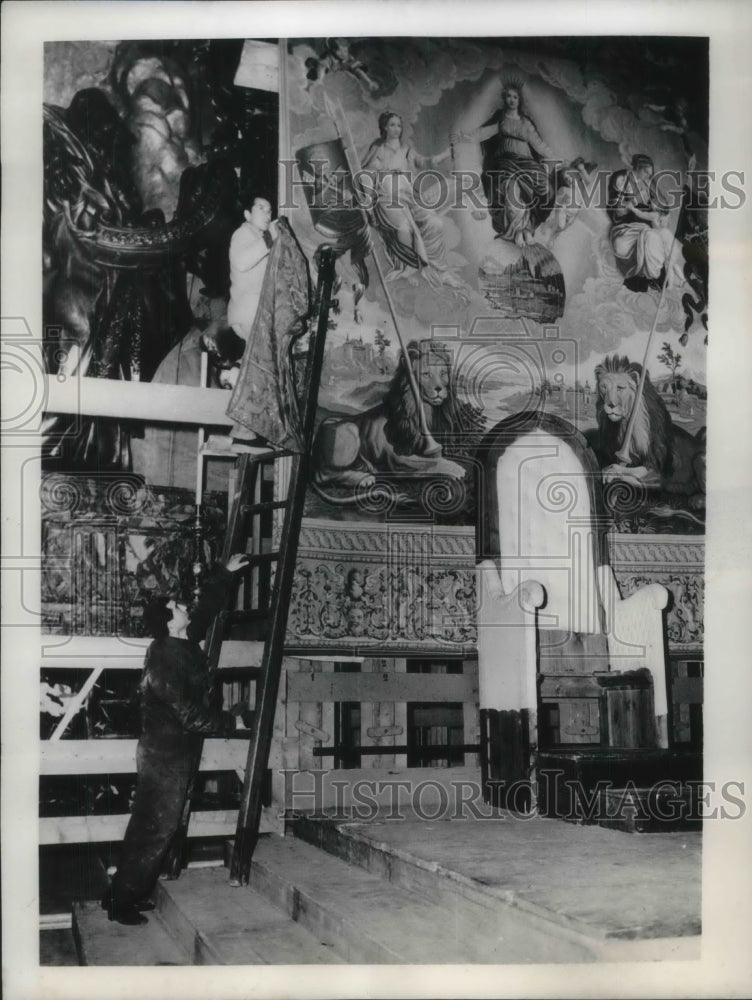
point(498, 890)
point(618, 896)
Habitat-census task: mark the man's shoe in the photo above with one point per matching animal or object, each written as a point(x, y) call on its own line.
point(128, 914)
point(145, 905)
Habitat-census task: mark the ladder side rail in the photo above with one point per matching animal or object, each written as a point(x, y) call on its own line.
point(173, 862)
point(249, 815)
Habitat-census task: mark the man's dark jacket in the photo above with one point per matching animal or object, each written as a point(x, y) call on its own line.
point(177, 703)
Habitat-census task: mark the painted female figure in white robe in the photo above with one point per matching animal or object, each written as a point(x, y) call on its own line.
point(518, 168)
point(644, 247)
point(413, 234)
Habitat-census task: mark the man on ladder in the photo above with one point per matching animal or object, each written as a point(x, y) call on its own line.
point(267, 401)
point(177, 710)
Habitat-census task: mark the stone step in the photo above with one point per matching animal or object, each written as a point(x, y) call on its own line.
point(100, 941)
point(217, 924)
point(369, 920)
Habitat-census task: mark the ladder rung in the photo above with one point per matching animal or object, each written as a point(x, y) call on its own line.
point(258, 558)
point(258, 508)
point(223, 446)
point(248, 615)
point(247, 673)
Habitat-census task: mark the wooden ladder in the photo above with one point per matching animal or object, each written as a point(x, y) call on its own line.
point(271, 616)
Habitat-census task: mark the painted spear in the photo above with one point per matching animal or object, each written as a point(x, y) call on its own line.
point(353, 162)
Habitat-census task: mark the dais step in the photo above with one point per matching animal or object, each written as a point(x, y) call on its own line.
point(550, 888)
point(217, 924)
point(100, 941)
point(370, 920)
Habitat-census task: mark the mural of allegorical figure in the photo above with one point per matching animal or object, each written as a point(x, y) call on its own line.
point(543, 298)
point(518, 168)
point(413, 234)
point(336, 58)
point(645, 249)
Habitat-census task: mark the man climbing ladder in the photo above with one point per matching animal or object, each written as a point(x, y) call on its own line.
point(284, 283)
point(177, 710)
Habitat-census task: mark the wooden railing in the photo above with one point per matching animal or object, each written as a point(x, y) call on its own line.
point(115, 756)
point(96, 655)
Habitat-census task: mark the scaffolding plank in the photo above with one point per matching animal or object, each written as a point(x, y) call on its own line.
point(96, 829)
point(174, 404)
point(119, 653)
point(378, 687)
point(119, 756)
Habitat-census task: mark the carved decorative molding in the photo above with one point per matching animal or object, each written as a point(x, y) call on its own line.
point(327, 538)
point(323, 538)
point(396, 606)
point(657, 554)
point(396, 587)
point(411, 586)
point(110, 542)
point(684, 618)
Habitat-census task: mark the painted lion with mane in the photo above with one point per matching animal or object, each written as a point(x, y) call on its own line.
point(350, 451)
point(662, 456)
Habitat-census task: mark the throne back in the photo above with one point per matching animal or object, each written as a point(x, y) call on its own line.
point(563, 659)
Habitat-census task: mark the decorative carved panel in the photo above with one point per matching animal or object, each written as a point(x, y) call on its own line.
point(393, 586)
point(677, 563)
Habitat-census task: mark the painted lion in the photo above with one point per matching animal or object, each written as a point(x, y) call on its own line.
point(661, 455)
point(351, 451)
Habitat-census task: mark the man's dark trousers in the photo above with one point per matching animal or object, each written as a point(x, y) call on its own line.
point(161, 785)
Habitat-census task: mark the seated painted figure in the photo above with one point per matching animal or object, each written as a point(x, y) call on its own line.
point(645, 250)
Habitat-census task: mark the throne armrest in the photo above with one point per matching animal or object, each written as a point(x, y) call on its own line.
point(635, 632)
point(506, 641)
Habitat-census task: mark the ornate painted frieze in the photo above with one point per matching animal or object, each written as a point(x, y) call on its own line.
point(409, 586)
point(395, 586)
point(110, 543)
point(677, 563)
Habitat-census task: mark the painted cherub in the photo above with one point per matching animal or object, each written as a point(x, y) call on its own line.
point(337, 58)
